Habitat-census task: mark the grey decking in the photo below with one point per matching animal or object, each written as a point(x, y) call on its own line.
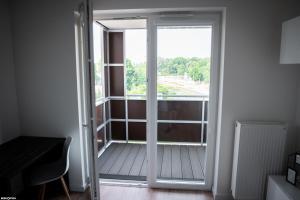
point(128, 161)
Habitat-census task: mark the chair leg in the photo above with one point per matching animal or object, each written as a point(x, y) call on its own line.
point(65, 187)
point(42, 192)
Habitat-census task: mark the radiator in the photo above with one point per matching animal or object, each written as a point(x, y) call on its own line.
point(258, 152)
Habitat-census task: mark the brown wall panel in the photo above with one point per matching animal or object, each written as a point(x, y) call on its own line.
point(107, 132)
point(179, 110)
point(106, 80)
point(179, 132)
point(204, 133)
point(107, 110)
point(205, 110)
point(137, 131)
point(118, 131)
point(116, 81)
point(100, 138)
point(117, 108)
point(105, 46)
point(99, 114)
point(116, 47)
point(136, 109)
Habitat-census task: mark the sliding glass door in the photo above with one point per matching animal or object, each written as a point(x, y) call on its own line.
point(182, 96)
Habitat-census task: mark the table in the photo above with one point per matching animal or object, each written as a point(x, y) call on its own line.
point(19, 154)
point(280, 189)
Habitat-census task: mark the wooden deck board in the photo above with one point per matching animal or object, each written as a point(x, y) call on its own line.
point(103, 159)
point(166, 170)
point(120, 160)
point(143, 171)
point(160, 153)
point(138, 162)
point(176, 162)
point(187, 172)
point(111, 159)
point(201, 151)
point(196, 166)
point(129, 162)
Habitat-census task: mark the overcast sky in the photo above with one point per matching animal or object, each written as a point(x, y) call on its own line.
point(97, 34)
point(191, 42)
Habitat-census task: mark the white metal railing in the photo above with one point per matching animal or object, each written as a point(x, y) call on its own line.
point(203, 120)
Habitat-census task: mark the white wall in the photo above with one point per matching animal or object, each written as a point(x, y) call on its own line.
point(298, 107)
point(298, 119)
point(44, 52)
point(255, 86)
point(9, 119)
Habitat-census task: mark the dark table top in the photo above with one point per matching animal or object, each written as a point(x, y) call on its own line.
point(21, 152)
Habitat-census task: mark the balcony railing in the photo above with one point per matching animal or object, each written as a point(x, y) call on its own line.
point(181, 119)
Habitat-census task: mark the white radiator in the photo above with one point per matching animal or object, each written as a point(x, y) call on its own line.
point(258, 152)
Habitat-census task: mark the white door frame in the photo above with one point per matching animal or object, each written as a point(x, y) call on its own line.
point(192, 19)
point(86, 92)
point(218, 14)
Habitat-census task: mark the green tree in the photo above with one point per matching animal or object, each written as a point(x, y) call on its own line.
point(98, 81)
point(194, 71)
point(135, 77)
point(131, 75)
point(198, 69)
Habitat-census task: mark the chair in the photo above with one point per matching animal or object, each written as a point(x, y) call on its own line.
point(45, 173)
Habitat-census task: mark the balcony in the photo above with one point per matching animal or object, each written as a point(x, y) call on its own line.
point(127, 161)
point(181, 129)
point(182, 109)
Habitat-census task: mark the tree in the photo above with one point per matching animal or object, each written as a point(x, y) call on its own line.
point(130, 75)
point(194, 71)
point(98, 81)
point(135, 77)
point(197, 69)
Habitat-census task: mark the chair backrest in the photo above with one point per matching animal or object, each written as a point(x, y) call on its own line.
point(64, 159)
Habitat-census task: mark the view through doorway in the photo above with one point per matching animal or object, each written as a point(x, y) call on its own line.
point(153, 85)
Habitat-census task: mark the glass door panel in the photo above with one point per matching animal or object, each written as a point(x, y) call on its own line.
point(182, 95)
point(98, 44)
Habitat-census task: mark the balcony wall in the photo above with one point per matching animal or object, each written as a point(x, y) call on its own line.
point(178, 121)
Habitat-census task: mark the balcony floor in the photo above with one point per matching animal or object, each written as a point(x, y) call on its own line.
point(128, 161)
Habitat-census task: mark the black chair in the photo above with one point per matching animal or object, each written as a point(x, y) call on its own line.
point(48, 172)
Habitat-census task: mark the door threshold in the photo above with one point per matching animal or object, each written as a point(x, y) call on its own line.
point(125, 183)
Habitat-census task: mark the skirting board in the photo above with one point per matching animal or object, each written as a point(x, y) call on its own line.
point(226, 196)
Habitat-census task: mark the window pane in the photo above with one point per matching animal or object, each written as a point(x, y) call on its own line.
point(135, 48)
point(98, 33)
point(183, 65)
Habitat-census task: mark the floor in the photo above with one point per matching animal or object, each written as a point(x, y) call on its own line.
point(128, 161)
point(74, 196)
point(108, 192)
point(134, 193)
point(54, 191)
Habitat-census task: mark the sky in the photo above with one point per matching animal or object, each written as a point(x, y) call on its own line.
point(171, 43)
point(135, 45)
point(97, 34)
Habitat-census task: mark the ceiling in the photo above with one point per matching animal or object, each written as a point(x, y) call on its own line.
point(123, 23)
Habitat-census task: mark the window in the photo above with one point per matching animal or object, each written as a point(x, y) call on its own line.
point(98, 61)
point(183, 61)
point(135, 58)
